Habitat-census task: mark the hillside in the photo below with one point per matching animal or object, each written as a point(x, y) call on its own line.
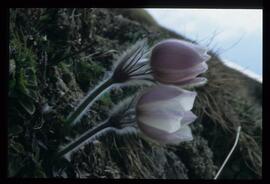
point(57, 55)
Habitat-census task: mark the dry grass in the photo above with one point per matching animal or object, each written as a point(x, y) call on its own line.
point(228, 100)
point(227, 103)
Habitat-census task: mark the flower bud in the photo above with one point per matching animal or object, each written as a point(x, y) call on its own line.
point(178, 62)
point(163, 114)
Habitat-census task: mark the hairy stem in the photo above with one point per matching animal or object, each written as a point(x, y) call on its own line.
point(230, 153)
point(88, 100)
point(84, 137)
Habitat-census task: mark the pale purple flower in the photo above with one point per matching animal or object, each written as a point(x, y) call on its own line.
point(179, 62)
point(163, 114)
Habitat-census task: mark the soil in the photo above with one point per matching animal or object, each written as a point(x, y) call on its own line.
point(58, 55)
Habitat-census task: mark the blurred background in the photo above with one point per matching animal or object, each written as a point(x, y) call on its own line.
point(234, 34)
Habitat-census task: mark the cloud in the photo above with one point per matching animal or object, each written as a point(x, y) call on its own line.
point(243, 70)
point(232, 23)
point(236, 33)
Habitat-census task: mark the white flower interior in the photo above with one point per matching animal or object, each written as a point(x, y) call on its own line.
point(167, 120)
point(185, 134)
point(169, 125)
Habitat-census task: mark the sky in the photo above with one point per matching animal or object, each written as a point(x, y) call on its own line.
point(235, 34)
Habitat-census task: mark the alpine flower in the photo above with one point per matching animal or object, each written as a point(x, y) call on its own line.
point(179, 63)
point(163, 114)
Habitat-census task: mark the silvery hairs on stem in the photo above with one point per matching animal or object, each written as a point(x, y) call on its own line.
point(130, 69)
point(133, 64)
point(121, 121)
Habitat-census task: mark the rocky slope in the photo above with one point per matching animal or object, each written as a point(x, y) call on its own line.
point(57, 55)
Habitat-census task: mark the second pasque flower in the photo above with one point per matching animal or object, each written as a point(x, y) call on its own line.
point(163, 114)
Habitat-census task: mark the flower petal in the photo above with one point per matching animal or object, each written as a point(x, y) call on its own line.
point(187, 99)
point(162, 114)
point(198, 81)
point(175, 61)
point(188, 118)
point(159, 93)
point(168, 124)
point(161, 105)
point(174, 54)
point(205, 57)
point(183, 102)
point(162, 118)
point(172, 76)
point(184, 134)
point(202, 51)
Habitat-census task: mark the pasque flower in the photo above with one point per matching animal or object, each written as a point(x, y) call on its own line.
point(178, 62)
point(163, 114)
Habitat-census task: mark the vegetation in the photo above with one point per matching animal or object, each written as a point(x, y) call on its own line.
point(57, 55)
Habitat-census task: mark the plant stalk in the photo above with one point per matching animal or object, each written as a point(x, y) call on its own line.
point(230, 153)
point(81, 139)
point(88, 100)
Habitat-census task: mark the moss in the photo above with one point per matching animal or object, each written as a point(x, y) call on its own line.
point(116, 156)
point(138, 15)
point(88, 73)
point(106, 99)
point(21, 82)
point(25, 61)
point(64, 67)
point(25, 88)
